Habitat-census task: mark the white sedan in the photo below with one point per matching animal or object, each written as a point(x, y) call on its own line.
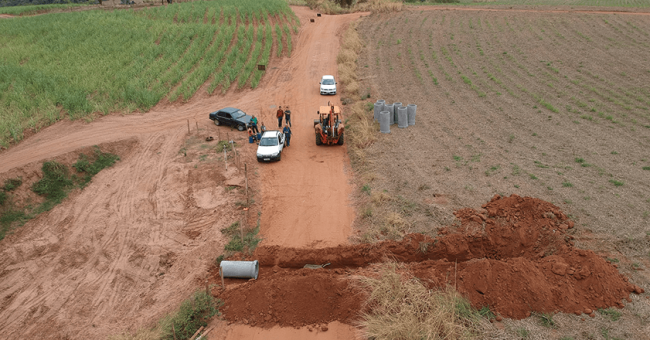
point(328, 85)
point(270, 147)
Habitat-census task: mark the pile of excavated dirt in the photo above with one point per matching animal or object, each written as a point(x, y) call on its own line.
point(514, 256)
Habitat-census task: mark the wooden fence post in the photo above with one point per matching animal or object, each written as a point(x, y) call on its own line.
point(188, 126)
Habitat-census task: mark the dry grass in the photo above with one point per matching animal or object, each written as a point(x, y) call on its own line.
point(403, 308)
point(373, 6)
point(379, 6)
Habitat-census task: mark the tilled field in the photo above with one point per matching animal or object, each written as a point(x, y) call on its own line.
point(553, 105)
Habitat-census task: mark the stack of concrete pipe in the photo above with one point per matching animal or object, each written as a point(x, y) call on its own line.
point(398, 114)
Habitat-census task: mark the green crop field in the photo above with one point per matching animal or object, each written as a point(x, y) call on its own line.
point(34, 9)
point(79, 63)
point(602, 3)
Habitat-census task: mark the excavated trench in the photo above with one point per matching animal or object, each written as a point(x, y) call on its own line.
point(514, 255)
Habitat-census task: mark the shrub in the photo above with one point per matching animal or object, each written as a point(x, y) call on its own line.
point(193, 314)
point(12, 183)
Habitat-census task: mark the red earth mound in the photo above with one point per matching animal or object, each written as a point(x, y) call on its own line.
point(514, 256)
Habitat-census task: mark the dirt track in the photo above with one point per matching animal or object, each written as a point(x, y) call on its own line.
point(101, 262)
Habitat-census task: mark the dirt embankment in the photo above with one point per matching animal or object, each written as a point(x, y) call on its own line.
point(515, 256)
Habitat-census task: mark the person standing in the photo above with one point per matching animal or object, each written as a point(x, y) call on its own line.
point(254, 124)
point(287, 134)
point(287, 116)
point(280, 115)
point(263, 127)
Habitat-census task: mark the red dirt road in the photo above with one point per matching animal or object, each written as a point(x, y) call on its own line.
point(135, 242)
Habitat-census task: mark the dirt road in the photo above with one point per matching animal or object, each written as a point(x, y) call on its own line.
point(131, 246)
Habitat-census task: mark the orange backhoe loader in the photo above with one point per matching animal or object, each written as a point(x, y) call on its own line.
point(329, 127)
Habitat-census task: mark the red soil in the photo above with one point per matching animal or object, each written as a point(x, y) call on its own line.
point(515, 256)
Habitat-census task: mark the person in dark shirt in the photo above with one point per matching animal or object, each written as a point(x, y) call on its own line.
point(287, 133)
point(287, 116)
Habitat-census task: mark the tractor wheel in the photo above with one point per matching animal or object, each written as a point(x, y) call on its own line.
point(216, 122)
point(318, 140)
point(340, 142)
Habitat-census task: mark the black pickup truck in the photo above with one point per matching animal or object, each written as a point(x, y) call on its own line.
point(231, 116)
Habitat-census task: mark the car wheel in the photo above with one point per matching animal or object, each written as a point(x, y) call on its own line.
point(280, 156)
point(240, 127)
point(216, 122)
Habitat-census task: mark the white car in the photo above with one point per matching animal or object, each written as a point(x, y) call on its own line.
point(327, 85)
point(270, 147)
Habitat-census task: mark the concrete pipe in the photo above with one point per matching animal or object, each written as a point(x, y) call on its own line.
point(395, 107)
point(384, 122)
point(402, 118)
point(391, 112)
point(410, 109)
point(381, 101)
point(240, 269)
point(378, 108)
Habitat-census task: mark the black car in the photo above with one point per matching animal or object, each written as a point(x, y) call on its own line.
point(231, 116)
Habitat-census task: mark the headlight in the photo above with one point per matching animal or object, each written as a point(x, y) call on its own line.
point(275, 154)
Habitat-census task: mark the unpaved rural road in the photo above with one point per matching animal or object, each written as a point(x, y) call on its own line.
point(93, 266)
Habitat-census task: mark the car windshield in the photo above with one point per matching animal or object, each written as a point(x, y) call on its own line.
point(238, 114)
point(269, 141)
point(328, 81)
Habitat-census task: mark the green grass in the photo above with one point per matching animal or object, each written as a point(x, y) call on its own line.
point(616, 183)
point(567, 184)
point(35, 9)
point(128, 60)
point(236, 243)
point(57, 181)
point(611, 313)
point(193, 314)
point(92, 165)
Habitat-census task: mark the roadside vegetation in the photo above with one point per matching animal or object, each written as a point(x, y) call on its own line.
point(56, 182)
point(130, 60)
point(403, 308)
point(348, 6)
point(194, 313)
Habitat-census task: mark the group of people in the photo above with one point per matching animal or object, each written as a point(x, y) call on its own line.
point(253, 131)
point(286, 113)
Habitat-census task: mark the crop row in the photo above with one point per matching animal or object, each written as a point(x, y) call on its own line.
point(125, 60)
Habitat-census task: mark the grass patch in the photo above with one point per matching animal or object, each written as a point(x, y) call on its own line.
point(646, 168)
point(12, 183)
point(616, 183)
point(611, 313)
point(567, 184)
point(237, 243)
point(399, 308)
point(92, 165)
point(193, 314)
point(57, 181)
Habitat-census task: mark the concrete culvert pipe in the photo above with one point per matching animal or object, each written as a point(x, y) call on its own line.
point(402, 117)
point(384, 122)
point(410, 109)
point(378, 108)
point(395, 107)
point(240, 269)
point(382, 101)
point(391, 113)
